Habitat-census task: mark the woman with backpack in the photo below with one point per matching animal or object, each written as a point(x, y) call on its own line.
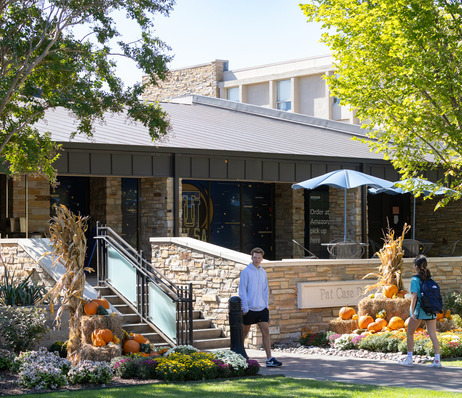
point(417, 313)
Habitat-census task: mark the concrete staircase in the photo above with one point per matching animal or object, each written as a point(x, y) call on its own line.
point(205, 335)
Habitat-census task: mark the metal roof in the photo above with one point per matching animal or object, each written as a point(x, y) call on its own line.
point(215, 124)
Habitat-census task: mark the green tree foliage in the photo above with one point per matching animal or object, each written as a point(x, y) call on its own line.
point(60, 53)
point(398, 64)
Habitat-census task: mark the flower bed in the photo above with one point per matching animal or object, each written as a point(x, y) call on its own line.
point(44, 370)
point(390, 341)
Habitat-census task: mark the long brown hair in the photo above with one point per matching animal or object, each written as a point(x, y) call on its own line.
point(422, 271)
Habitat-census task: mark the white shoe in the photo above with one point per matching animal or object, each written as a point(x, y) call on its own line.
point(406, 362)
point(435, 364)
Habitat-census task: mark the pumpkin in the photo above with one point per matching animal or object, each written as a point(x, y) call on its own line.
point(355, 317)
point(420, 330)
point(102, 302)
point(448, 314)
point(389, 290)
point(346, 312)
point(374, 327)
point(382, 322)
point(395, 323)
point(364, 321)
point(90, 308)
point(98, 341)
point(139, 338)
point(440, 316)
point(104, 334)
point(131, 346)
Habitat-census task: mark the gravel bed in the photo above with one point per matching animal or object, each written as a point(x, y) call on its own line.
point(289, 346)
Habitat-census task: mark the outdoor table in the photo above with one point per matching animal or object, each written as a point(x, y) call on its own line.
point(346, 249)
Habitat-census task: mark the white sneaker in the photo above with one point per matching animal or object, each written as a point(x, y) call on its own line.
point(406, 362)
point(435, 364)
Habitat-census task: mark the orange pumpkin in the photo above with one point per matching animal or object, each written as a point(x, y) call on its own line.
point(448, 314)
point(97, 338)
point(104, 334)
point(103, 302)
point(420, 330)
point(389, 290)
point(139, 338)
point(395, 323)
point(131, 346)
point(440, 316)
point(90, 308)
point(346, 312)
point(382, 322)
point(364, 321)
point(374, 327)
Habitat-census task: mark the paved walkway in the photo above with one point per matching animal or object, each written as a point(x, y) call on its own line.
point(361, 371)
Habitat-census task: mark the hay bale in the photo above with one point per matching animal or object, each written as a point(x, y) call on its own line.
point(342, 326)
point(393, 307)
point(88, 323)
point(87, 351)
point(445, 325)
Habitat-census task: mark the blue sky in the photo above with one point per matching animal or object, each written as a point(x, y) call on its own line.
point(245, 32)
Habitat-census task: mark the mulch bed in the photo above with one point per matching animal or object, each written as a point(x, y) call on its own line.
point(9, 385)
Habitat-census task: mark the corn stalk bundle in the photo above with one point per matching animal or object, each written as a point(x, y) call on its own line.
point(67, 238)
point(391, 259)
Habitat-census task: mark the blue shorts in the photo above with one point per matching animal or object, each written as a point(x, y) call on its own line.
point(253, 317)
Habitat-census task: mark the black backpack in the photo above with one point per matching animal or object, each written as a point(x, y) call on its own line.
point(430, 297)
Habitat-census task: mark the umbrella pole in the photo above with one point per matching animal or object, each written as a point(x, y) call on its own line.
point(413, 220)
point(344, 214)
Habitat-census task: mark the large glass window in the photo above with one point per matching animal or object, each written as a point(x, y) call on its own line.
point(234, 215)
point(71, 192)
point(284, 95)
point(232, 94)
point(129, 208)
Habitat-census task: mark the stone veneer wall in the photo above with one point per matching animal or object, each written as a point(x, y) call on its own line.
point(215, 277)
point(441, 227)
point(39, 202)
point(15, 259)
point(289, 220)
point(200, 79)
point(157, 209)
point(336, 205)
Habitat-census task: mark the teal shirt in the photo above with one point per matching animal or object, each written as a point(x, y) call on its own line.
point(419, 313)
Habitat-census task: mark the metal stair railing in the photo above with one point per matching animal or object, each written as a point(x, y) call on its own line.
point(165, 306)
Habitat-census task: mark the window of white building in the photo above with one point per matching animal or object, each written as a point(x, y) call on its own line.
point(232, 94)
point(283, 95)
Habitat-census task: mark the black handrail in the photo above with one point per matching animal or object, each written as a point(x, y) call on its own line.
point(146, 273)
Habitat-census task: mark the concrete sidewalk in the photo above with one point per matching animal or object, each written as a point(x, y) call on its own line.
point(361, 371)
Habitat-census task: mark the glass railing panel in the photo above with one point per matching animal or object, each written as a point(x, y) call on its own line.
point(121, 275)
point(162, 311)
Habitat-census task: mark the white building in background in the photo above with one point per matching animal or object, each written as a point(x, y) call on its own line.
point(294, 86)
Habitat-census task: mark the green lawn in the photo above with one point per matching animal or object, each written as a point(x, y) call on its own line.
point(452, 362)
point(283, 387)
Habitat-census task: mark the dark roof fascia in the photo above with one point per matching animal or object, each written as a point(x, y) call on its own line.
point(113, 148)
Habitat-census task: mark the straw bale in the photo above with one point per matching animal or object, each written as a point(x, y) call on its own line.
point(445, 325)
point(88, 323)
point(87, 351)
point(342, 326)
point(393, 307)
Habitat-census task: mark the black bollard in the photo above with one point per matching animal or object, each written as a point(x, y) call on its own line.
point(235, 326)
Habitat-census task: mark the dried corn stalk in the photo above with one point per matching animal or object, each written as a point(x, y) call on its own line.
point(391, 258)
point(67, 238)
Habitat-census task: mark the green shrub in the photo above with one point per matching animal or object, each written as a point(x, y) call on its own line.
point(60, 347)
point(317, 339)
point(453, 301)
point(385, 342)
point(147, 368)
point(20, 293)
point(172, 370)
point(22, 327)
point(457, 320)
point(6, 359)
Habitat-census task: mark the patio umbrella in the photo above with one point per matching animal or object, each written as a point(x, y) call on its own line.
point(344, 179)
point(426, 186)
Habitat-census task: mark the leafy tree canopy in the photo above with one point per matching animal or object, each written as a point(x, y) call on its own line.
point(398, 64)
point(45, 64)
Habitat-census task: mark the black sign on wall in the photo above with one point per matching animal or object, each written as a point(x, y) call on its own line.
point(317, 221)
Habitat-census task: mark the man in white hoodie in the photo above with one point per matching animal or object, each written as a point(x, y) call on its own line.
point(253, 291)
